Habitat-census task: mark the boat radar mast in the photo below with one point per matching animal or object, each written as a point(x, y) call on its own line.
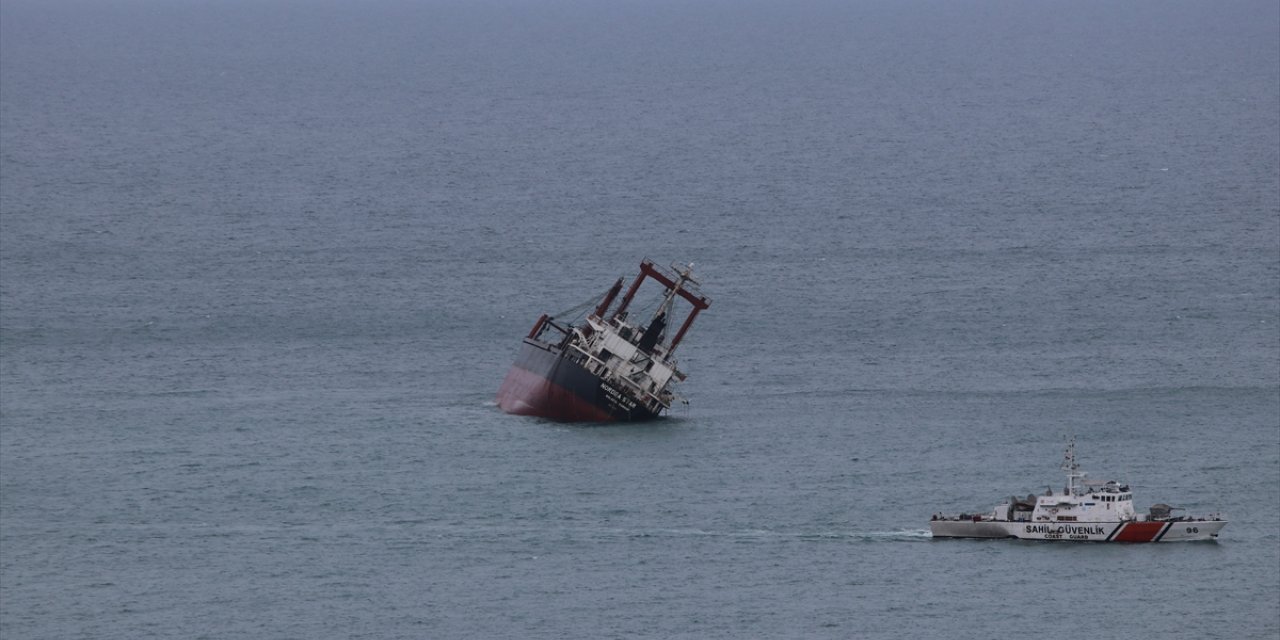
point(1074, 475)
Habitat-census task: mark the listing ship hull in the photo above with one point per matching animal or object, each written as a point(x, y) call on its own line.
point(610, 367)
point(543, 382)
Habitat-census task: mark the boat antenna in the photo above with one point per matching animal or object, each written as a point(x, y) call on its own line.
point(1072, 467)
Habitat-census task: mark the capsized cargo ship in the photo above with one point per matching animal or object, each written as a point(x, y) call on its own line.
point(1085, 511)
point(610, 367)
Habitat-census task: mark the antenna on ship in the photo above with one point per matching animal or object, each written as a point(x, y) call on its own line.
point(662, 317)
point(1072, 467)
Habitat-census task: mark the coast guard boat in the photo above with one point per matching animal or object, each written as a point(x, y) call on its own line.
point(1085, 511)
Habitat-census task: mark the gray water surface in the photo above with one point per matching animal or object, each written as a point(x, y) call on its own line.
point(264, 264)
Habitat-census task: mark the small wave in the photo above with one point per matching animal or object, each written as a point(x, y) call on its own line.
point(908, 535)
point(904, 534)
point(468, 530)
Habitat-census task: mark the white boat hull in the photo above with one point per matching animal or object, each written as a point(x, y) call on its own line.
point(1132, 531)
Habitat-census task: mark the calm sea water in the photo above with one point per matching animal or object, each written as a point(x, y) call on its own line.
point(264, 264)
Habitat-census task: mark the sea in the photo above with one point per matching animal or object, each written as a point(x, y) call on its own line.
point(264, 264)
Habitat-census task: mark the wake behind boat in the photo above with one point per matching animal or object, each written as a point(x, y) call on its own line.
point(1086, 511)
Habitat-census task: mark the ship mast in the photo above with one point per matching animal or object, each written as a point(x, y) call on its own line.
point(668, 301)
point(1072, 467)
point(699, 303)
point(674, 287)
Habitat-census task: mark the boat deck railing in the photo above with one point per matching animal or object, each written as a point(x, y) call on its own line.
point(598, 367)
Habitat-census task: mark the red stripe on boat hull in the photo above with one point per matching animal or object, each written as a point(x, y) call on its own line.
point(1139, 531)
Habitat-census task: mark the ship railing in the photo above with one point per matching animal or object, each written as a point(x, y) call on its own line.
point(547, 322)
point(593, 364)
point(597, 366)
